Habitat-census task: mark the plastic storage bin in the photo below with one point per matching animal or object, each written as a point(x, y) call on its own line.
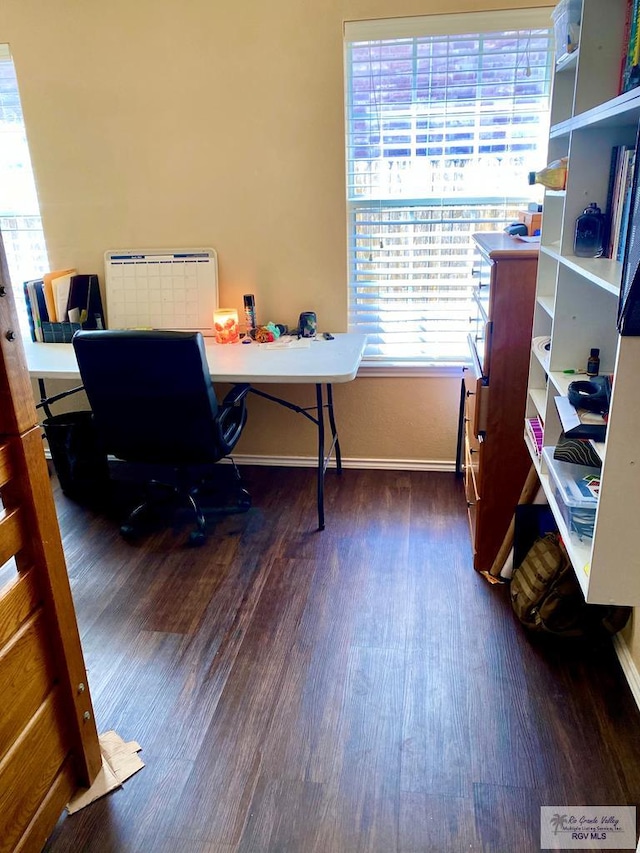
point(576, 489)
point(566, 25)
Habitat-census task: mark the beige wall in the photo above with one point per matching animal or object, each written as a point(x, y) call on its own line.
point(195, 122)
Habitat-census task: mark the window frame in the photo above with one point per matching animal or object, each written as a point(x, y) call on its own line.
point(410, 28)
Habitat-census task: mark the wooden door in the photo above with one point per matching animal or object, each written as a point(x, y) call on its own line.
point(48, 739)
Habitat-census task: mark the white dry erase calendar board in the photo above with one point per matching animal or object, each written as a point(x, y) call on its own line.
point(161, 289)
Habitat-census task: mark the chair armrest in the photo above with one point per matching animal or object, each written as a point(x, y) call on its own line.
point(232, 416)
point(237, 393)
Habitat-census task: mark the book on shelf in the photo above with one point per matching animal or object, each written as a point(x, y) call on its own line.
point(535, 433)
point(630, 60)
point(621, 173)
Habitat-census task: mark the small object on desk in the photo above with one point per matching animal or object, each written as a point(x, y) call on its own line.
point(328, 336)
point(574, 371)
point(532, 218)
point(246, 340)
point(225, 323)
point(286, 342)
point(517, 229)
point(264, 334)
point(307, 324)
point(249, 310)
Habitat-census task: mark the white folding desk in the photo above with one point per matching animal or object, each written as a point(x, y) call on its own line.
point(322, 364)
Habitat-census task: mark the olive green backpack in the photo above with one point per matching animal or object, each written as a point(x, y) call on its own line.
point(546, 596)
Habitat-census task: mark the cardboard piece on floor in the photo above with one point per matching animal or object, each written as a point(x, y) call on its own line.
point(120, 760)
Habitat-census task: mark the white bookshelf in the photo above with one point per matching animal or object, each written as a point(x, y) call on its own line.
point(577, 302)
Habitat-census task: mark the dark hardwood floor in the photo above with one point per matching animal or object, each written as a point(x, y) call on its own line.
point(359, 689)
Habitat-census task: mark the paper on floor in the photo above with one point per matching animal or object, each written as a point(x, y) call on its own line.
point(120, 760)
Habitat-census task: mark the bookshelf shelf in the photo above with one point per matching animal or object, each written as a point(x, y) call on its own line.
point(561, 381)
point(551, 249)
point(622, 111)
point(546, 303)
point(577, 300)
point(603, 272)
point(567, 62)
point(539, 398)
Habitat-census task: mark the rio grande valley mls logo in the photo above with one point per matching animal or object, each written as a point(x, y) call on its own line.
point(588, 828)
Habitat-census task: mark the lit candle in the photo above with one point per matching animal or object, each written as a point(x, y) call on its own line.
point(225, 324)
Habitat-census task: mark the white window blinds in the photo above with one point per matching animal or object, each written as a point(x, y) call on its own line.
point(445, 117)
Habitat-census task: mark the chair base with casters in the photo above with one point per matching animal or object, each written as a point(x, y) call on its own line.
point(153, 404)
point(164, 499)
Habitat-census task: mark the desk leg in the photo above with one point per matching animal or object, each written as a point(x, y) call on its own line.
point(46, 401)
point(318, 420)
point(334, 431)
point(321, 456)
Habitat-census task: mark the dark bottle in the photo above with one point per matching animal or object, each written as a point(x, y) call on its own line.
point(249, 311)
point(589, 239)
point(593, 364)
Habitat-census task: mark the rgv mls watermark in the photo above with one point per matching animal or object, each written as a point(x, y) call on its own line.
point(588, 827)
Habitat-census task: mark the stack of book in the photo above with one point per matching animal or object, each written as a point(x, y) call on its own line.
point(619, 199)
point(535, 432)
point(60, 303)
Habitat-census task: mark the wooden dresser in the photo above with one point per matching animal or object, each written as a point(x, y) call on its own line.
point(494, 458)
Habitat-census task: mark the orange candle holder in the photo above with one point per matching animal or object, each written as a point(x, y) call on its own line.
point(225, 326)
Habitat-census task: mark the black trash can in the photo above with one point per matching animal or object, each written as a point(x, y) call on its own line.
point(78, 457)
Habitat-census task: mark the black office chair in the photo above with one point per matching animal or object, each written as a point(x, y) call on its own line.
point(153, 402)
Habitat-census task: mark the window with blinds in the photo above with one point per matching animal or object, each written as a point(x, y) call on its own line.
point(20, 220)
point(445, 117)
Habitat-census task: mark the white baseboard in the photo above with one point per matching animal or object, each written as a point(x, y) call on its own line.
point(374, 464)
point(628, 665)
point(311, 462)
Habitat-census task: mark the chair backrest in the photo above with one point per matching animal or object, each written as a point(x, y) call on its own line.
point(151, 395)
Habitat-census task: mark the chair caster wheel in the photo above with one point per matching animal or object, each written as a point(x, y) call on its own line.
point(196, 538)
point(127, 532)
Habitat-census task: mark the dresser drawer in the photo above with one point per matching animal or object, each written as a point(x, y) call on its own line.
point(476, 402)
point(472, 458)
point(481, 321)
point(471, 489)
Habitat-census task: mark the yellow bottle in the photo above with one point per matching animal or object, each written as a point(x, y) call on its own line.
point(553, 176)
